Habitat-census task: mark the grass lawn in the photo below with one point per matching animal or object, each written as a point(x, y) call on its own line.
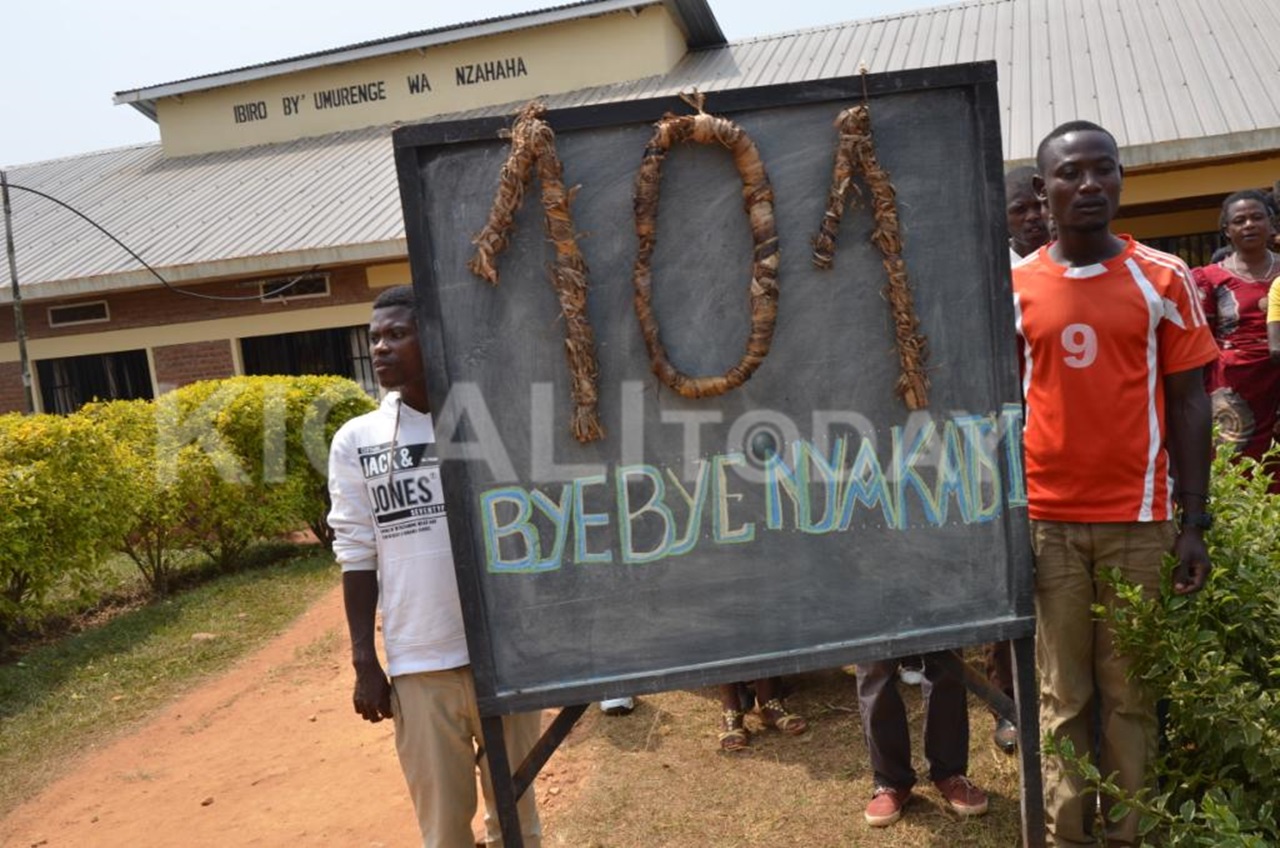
point(656, 778)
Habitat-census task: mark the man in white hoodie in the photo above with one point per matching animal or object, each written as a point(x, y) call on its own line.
point(392, 540)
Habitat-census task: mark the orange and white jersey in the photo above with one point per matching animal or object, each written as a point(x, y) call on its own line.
point(1096, 342)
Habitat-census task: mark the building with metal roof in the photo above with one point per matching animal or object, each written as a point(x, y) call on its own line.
point(285, 168)
point(695, 21)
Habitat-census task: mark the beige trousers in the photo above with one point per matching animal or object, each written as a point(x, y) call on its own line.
point(440, 743)
point(1078, 662)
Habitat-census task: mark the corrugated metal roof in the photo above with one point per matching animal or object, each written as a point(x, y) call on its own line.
point(1154, 72)
point(329, 199)
point(1174, 80)
point(1197, 78)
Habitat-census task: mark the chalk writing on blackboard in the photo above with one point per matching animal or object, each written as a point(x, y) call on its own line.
point(930, 475)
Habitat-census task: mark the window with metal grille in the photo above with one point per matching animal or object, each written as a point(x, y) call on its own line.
point(69, 383)
point(1195, 249)
point(275, 291)
point(342, 351)
point(93, 312)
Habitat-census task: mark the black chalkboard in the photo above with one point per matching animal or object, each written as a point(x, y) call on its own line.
point(676, 552)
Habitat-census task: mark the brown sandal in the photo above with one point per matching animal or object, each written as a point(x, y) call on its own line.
point(775, 715)
point(734, 736)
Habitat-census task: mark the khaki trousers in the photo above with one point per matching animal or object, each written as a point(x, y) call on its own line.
point(1078, 662)
point(440, 743)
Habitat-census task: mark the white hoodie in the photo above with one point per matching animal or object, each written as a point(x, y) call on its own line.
point(389, 515)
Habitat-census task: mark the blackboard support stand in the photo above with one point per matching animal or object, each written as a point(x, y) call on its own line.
point(508, 786)
point(976, 683)
point(1028, 699)
point(1022, 711)
point(505, 795)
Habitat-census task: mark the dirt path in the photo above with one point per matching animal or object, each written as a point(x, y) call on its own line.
point(267, 754)
point(270, 754)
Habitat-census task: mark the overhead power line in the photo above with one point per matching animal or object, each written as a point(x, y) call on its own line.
point(281, 289)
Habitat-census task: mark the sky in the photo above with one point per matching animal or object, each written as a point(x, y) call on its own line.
point(62, 60)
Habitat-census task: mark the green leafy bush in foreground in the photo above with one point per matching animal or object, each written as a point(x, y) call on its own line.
point(214, 466)
point(1215, 657)
point(157, 531)
point(62, 484)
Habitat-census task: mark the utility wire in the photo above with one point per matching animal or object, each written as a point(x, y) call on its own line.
point(263, 296)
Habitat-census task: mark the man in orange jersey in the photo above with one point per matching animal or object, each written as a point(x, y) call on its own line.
point(1113, 343)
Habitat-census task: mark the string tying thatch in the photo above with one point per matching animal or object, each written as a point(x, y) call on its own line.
point(757, 196)
point(856, 153)
point(534, 143)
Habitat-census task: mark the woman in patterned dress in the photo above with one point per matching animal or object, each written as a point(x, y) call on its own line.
point(1243, 385)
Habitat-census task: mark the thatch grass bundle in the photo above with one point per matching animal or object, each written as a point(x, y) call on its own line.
point(533, 143)
point(856, 153)
point(757, 196)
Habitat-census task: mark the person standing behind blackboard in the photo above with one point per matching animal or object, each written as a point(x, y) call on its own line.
point(1025, 216)
point(1114, 343)
point(390, 536)
point(946, 737)
point(1028, 228)
point(736, 699)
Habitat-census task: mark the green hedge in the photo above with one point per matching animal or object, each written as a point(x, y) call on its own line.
point(215, 465)
point(1214, 657)
point(62, 483)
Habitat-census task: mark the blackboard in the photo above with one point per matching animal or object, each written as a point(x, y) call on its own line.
point(675, 552)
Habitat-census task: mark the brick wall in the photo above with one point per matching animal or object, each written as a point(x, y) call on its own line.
point(158, 307)
point(177, 365)
point(12, 397)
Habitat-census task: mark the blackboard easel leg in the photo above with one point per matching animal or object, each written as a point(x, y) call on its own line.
point(546, 746)
point(978, 684)
point(509, 787)
point(1027, 695)
point(504, 788)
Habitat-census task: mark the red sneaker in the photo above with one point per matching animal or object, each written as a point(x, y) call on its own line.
point(886, 806)
point(962, 795)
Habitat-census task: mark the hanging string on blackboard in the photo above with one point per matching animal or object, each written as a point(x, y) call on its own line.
point(702, 128)
point(856, 154)
point(533, 143)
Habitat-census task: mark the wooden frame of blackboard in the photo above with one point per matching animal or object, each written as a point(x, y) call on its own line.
point(414, 143)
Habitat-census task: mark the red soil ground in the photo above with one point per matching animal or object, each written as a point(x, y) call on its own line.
point(269, 753)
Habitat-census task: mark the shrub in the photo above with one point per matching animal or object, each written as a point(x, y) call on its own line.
point(318, 406)
point(216, 465)
point(1215, 657)
point(250, 454)
point(222, 463)
point(158, 527)
point(63, 486)
point(213, 435)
